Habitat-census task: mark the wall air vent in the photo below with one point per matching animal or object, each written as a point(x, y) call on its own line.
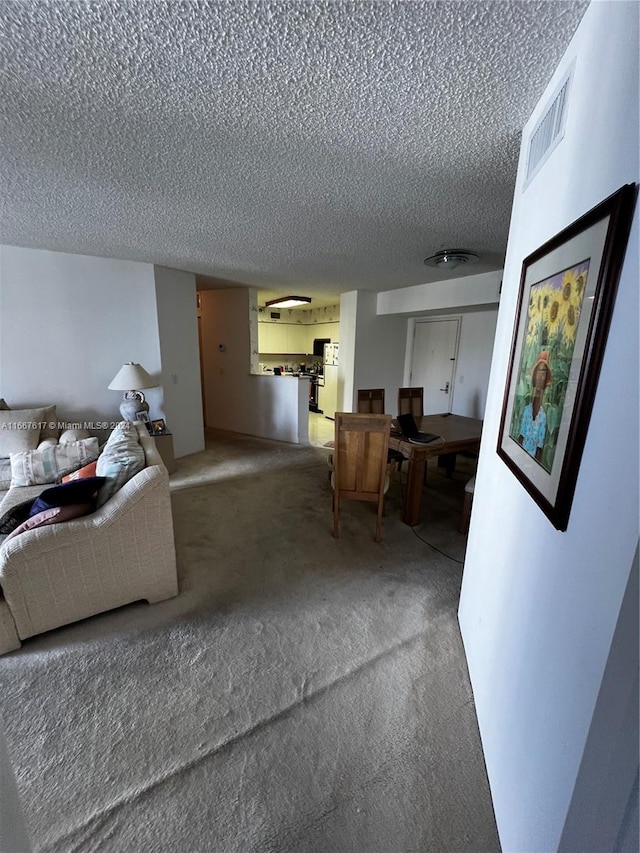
point(275, 315)
point(549, 130)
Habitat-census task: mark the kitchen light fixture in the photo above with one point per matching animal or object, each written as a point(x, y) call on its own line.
point(449, 259)
point(129, 379)
point(288, 302)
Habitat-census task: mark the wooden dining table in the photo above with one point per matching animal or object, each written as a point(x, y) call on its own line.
point(455, 433)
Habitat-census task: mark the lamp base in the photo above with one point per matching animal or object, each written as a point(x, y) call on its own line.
point(129, 408)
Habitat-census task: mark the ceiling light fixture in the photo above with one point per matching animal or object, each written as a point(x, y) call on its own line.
point(449, 259)
point(288, 302)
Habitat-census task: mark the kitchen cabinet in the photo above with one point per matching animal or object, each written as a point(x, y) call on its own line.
point(272, 337)
point(322, 330)
point(264, 337)
point(295, 338)
point(282, 338)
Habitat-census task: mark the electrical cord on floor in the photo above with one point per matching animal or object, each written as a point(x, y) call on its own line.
point(413, 530)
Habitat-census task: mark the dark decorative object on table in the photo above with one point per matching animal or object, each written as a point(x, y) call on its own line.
point(146, 420)
point(158, 426)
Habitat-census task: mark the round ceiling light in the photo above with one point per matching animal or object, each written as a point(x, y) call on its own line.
point(449, 259)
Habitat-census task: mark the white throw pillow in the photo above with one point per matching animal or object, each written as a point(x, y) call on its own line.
point(121, 459)
point(48, 442)
point(20, 429)
point(36, 467)
point(70, 435)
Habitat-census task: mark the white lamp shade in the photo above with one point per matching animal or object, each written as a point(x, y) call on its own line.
point(131, 377)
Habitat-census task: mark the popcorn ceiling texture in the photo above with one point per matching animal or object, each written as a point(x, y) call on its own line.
point(326, 145)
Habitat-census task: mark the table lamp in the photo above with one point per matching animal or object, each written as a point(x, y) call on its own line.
point(131, 378)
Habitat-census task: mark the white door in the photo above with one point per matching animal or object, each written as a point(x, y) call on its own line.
point(433, 362)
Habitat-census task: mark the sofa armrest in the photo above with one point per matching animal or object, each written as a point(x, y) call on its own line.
point(151, 452)
point(123, 552)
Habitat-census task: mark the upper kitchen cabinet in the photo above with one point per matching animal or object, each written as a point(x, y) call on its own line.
point(295, 338)
point(323, 330)
point(282, 338)
point(271, 338)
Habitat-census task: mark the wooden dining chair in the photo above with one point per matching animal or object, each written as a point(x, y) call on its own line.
point(360, 462)
point(370, 401)
point(411, 401)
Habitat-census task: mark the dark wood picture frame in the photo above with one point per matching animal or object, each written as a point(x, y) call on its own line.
point(158, 426)
point(565, 302)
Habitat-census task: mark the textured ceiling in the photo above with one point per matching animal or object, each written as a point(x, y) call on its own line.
point(301, 147)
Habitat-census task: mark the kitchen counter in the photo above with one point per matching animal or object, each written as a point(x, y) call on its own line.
point(293, 375)
point(289, 399)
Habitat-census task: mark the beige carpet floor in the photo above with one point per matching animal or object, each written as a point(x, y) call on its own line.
point(300, 694)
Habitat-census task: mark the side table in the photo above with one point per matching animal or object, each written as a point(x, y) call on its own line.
point(164, 443)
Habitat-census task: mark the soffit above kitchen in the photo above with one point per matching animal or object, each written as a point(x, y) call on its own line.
point(296, 146)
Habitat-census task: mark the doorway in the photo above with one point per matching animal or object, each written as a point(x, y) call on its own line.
point(201, 351)
point(433, 361)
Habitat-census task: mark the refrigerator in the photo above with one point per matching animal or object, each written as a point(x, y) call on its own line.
point(328, 393)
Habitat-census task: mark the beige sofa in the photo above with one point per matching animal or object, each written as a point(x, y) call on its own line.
point(60, 573)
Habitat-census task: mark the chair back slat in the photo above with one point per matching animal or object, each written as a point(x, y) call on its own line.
point(371, 401)
point(411, 401)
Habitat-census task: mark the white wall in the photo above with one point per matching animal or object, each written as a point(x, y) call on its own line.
point(13, 830)
point(595, 819)
point(347, 356)
point(178, 332)
point(69, 323)
point(477, 333)
point(376, 349)
point(380, 345)
point(480, 290)
point(269, 406)
point(538, 607)
point(471, 371)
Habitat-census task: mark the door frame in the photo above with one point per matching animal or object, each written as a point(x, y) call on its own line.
point(408, 358)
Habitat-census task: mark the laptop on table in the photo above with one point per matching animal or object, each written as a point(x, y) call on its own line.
point(410, 431)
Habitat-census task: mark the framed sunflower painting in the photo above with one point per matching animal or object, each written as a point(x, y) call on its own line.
point(566, 298)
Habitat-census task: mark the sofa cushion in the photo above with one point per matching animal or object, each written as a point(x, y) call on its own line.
point(5, 474)
point(52, 515)
point(20, 429)
point(121, 459)
point(48, 464)
point(88, 471)
point(49, 427)
point(75, 492)
point(15, 496)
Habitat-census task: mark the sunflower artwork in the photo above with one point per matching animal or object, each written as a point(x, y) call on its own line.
point(553, 316)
